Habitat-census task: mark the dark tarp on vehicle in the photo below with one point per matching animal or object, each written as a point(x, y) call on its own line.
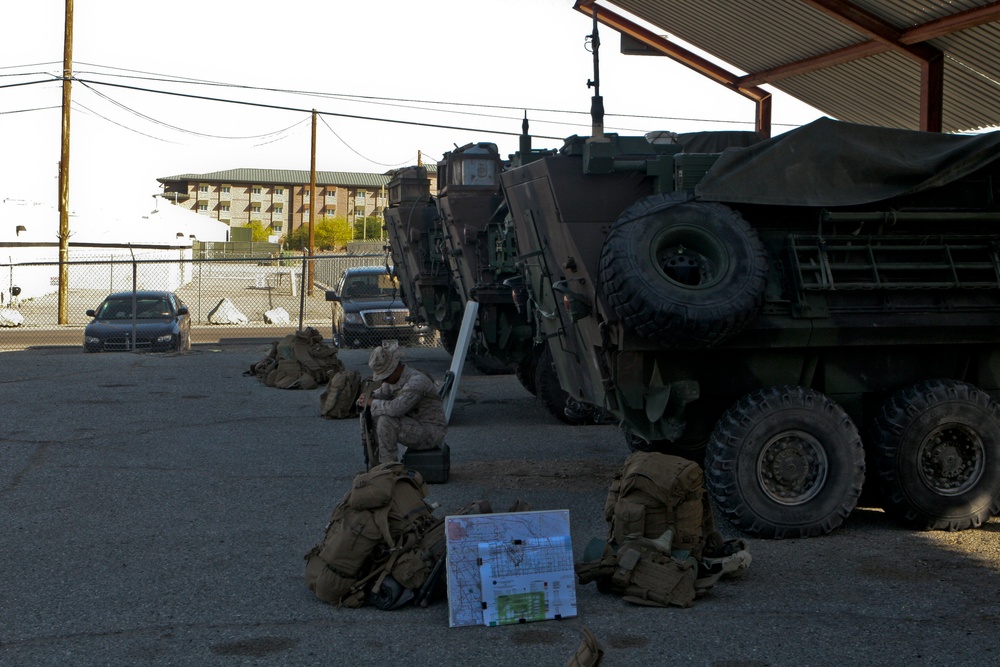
point(832, 163)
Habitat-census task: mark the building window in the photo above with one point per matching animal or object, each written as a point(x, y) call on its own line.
point(279, 190)
point(276, 228)
point(225, 189)
point(202, 207)
point(202, 188)
point(256, 190)
point(255, 208)
point(279, 209)
point(225, 207)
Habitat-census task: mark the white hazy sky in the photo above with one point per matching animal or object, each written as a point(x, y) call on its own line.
point(472, 65)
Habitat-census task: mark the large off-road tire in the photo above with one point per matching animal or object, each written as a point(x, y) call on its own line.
point(525, 369)
point(548, 390)
point(785, 461)
point(486, 364)
point(449, 339)
point(683, 273)
point(937, 452)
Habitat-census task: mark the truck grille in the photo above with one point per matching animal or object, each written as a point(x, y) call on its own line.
point(378, 319)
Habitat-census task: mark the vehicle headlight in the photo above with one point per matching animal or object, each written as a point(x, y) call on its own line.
point(165, 339)
point(353, 318)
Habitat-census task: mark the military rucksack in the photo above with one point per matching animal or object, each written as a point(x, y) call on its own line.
point(662, 547)
point(653, 492)
point(300, 360)
point(338, 400)
point(383, 527)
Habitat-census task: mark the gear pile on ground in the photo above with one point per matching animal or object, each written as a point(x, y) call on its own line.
point(298, 361)
point(383, 545)
point(662, 547)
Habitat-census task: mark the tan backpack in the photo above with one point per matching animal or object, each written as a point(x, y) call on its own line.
point(300, 360)
point(382, 517)
point(338, 400)
point(662, 547)
point(653, 492)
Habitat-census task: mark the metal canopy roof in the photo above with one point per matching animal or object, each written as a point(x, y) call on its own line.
point(911, 64)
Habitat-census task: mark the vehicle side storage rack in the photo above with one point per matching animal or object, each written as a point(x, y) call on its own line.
point(938, 272)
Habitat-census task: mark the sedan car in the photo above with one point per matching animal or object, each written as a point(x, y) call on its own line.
point(161, 323)
point(368, 308)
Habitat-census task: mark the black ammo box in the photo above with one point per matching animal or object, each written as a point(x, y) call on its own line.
point(432, 464)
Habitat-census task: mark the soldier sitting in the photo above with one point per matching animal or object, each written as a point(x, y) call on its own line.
point(406, 408)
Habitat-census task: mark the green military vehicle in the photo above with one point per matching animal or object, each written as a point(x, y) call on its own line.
point(460, 247)
point(792, 312)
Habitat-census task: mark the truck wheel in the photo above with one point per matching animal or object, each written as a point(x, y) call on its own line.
point(486, 364)
point(785, 461)
point(683, 273)
point(937, 448)
point(547, 388)
point(525, 369)
point(449, 339)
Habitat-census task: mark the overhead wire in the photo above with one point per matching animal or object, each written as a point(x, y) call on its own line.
point(167, 78)
point(353, 150)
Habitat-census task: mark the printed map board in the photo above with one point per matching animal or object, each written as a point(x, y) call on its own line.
point(509, 568)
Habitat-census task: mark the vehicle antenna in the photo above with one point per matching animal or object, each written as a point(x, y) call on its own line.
point(525, 139)
point(596, 101)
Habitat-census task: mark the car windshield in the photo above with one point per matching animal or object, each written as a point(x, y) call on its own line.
point(368, 286)
point(147, 308)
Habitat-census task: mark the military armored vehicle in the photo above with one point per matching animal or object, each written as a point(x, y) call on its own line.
point(459, 247)
point(793, 312)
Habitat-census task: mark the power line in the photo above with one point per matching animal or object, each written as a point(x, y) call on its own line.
point(353, 150)
point(166, 78)
point(181, 129)
point(302, 110)
point(4, 113)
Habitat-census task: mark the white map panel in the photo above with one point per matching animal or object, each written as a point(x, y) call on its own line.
point(538, 542)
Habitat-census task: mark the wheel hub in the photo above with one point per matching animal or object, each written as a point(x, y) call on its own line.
point(685, 266)
point(951, 459)
point(792, 468)
point(689, 256)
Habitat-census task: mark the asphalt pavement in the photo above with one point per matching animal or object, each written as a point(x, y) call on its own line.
point(155, 510)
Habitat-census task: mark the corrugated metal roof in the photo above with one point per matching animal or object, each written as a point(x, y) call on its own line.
point(884, 89)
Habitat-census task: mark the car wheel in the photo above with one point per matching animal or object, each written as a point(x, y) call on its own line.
point(937, 446)
point(785, 461)
point(683, 273)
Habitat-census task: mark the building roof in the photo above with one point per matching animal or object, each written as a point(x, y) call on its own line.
point(350, 179)
point(855, 60)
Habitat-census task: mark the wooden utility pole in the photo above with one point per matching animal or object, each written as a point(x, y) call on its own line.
point(64, 169)
point(312, 206)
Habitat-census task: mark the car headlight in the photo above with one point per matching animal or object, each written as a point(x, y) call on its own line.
point(353, 318)
point(165, 339)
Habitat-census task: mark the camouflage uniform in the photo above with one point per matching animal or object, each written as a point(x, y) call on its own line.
point(410, 413)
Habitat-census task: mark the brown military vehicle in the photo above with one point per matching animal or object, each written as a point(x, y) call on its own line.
point(459, 247)
point(792, 312)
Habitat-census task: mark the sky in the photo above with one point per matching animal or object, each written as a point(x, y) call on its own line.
point(381, 72)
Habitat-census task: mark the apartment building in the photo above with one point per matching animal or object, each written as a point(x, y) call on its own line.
point(280, 198)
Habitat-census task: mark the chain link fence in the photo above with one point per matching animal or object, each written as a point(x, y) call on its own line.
point(259, 288)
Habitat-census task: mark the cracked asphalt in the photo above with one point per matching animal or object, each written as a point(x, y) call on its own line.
point(155, 510)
